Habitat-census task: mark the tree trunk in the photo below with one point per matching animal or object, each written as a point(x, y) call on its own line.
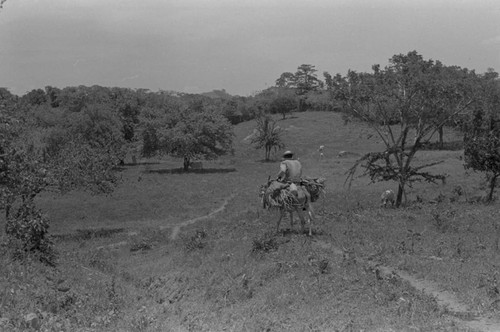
point(186, 164)
point(493, 182)
point(399, 198)
point(441, 133)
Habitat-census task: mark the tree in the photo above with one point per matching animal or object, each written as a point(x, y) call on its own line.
point(306, 79)
point(268, 136)
point(189, 133)
point(405, 97)
point(302, 82)
point(286, 80)
point(482, 134)
point(283, 103)
point(78, 151)
point(35, 97)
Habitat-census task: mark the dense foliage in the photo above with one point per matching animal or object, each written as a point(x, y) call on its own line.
point(187, 133)
point(482, 134)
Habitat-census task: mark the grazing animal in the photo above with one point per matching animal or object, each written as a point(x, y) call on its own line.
point(321, 148)
point(387, 197)
point(196, 165)
point(275, 194)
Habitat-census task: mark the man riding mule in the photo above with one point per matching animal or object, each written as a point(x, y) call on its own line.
point(290, 193)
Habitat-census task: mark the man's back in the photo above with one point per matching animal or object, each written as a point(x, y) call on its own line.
point(293, 171)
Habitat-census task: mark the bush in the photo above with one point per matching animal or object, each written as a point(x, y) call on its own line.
point(265, 243)
point(28, 233)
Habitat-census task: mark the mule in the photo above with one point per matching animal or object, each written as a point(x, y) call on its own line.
point(298, 201)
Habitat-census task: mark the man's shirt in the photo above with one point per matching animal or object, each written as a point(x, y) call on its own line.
point(290, 170)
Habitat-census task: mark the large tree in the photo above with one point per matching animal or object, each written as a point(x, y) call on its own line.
point(188, 132)
point(410, 96)
point(306, 79)
point(303, 81)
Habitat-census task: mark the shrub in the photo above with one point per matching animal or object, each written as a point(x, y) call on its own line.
point(28, 233)
point(265, 243)
point(196, 241)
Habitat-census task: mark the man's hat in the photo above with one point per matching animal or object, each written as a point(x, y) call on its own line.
point(287, 154)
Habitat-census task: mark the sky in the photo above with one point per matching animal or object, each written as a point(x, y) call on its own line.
point(241, 46)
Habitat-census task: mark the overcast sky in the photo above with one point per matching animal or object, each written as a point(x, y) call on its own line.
point(239, 45)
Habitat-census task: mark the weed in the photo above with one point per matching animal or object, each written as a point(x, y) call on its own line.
point(348, 256)
point(407, 246)
point(489, 282)
point(440, 198)
point(140, 323)
point(140, 246)
point(196, 241)
point(265, 243)
point(323, 266)
point(443, 219)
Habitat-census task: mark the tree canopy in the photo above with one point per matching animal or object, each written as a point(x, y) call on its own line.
point(410, 96)
point(188, 132)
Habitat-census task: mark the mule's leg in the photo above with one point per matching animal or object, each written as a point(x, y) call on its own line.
point(279, 221)
point(282, 215)
point(310, 213)
point(302, 219)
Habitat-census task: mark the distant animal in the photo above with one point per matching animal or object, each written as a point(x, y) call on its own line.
point(196, 165)
point(321, 154)
point(387, 197)
point(299, 202)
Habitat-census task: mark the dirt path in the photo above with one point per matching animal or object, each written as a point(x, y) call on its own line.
point(444, 298)
point(177, 228)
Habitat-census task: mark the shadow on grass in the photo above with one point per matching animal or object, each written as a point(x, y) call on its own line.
point(191, 171)
point(268, 161)
point(124, 166)
point(298, 231)
point(87, 234)
point(448, 146)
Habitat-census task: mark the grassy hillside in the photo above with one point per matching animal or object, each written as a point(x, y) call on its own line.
point(122, 270)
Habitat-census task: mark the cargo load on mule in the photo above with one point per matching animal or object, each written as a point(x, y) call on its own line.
point(275, 194)
point(315, 187)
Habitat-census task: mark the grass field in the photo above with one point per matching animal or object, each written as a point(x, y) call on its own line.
point(120, 268)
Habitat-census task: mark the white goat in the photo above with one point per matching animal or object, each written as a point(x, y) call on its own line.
point(387, 197)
